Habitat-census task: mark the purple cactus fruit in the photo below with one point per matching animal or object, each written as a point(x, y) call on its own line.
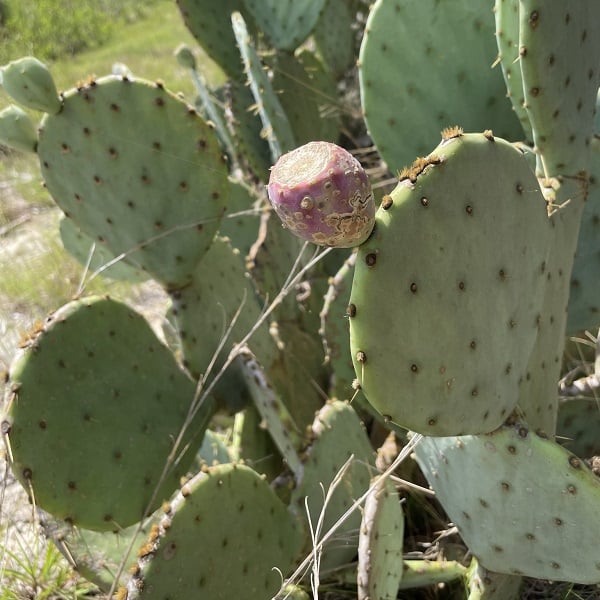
point(323, 195)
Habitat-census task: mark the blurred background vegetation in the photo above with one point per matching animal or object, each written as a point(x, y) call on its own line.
point(51, 29)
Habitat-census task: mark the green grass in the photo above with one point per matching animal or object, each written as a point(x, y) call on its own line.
point(146, 47)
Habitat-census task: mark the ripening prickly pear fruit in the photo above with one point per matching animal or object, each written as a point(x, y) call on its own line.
point(322, 194)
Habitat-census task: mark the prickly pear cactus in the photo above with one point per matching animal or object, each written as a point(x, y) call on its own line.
point(218, 298)
point(276, 127)
point(507, 37)
point(95, 403)
point(94, 256)
point(463, 380)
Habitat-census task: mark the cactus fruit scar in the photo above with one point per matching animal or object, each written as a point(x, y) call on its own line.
point(322, 194)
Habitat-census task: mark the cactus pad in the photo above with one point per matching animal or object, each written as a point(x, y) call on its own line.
point(210, 24)
point(96, 403)
point(423, 286)
point(584, 300)
point(337, 434)
point(425, 65)
point(79, 246)
point(507, 37)
point(335, 329)
point(206, 308)
point(380, 543)
point(559, 50)
point(287, 23)
point(97, 555)
point(138, 170)
point(225, 536)
point(28, 81)
point(276, 127)
point(17, 130)
point(543, 496)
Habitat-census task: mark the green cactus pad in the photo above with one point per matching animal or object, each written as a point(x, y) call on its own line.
point(298, 374)
point(425, 65)
point(559, 57)
point(273, 412)
point(308, 96)
point(287, 23)
point(225, 536)
point(507, 37)
point(335, 36)
point(544, 498)
point(137, 170)
point(28, 81)
point(252, 149)
point(276, 127)
point(213, 451)
point(94, 406)
point(421, 573)
point(210, 24)
point(584, 300)
point(487, 585)
point(538, 398)
point(79, 246)
point(241, 230)
point(97, 555)
point(425, 293)
point(271, 260)
point(17, 130)
point(338, 434)
point(578, 424)
point(380, 543)
point(205, 309)
point(213, 111)
point(252, 444)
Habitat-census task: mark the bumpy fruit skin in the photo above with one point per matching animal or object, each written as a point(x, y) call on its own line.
point(322, 194)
